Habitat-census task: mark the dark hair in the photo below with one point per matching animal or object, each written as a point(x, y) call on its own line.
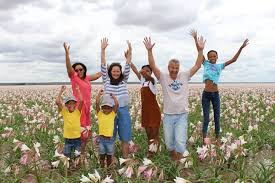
point(121, 77)
point(212, 51)
point(148, 66)
point(83, 66)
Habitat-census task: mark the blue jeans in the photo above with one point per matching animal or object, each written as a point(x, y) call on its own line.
point(71, 145)
point(106, 146)
point(214, 97)
point(175, 131)
point(123, 124)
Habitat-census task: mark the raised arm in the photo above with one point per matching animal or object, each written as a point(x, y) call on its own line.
point(128, 57)
point(95, 76)
point(97, 101)
point(104, 44)
point(134, 69)
point(200, 58)
point(67, 57)
point(58, 98)
point(236, 56)
point(116, 103)
point(80, 105)
point(149, 46)
point(104, 72)
point(194, 34)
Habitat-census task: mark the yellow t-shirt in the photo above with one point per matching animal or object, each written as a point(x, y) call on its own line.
point(71, 123)
point(106, 123)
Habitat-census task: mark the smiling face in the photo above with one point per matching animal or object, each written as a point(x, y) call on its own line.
point(71, 105)
point(147, 72)
point(116, 72)
point(173, 69)
point(79, 70)
point(212, 56)
point(106, 109)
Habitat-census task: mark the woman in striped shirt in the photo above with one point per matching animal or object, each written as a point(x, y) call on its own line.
point(115, 82)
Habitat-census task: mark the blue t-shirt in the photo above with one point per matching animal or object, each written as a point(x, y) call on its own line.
point(212, 71)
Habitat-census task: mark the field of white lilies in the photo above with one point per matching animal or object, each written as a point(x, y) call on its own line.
point(31, 140)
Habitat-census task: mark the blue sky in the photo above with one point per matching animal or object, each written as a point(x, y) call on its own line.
point(32, 33)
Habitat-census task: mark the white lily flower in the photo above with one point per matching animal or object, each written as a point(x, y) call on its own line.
point(56, 139)
point(55, 163)
point(84, 179)
point(121, 171)
point(185, 154)
point(146, 162)
point(108, 180)
point(181, 180)
point(122, 160)
point(25, 148)
point(77, 153)
point(7, 170)
point(97, 175)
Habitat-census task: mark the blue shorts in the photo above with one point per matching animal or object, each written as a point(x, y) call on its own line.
point(106, 146)
point(123, 124)
point(175, 131)
point(71, 145)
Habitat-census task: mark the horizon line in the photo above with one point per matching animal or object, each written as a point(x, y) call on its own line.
point(134, 82)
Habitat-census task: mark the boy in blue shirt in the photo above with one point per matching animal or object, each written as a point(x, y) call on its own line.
point(211, 75)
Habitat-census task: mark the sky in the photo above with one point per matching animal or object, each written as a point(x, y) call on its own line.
point(33, 31)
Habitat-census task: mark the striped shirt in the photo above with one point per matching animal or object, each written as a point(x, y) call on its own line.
point(120, 90)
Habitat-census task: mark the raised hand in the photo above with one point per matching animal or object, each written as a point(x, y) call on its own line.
point(63, 88)
point(104, 43)
point(194, 33)
point(201, 43)
point(148, 44)
point(245, 43)
point(66, 47)
point(128, 52)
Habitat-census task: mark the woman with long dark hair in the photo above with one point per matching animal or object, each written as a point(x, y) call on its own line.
point(115, 82)
point(79, 77)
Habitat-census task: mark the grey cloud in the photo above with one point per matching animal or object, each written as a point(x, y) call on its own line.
point(156, 14)
point(12, 4)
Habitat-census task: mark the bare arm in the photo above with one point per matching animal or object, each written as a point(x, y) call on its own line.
point(149, 46)
point(95, 76)
point(116, 103)
point(104, 44)
point(236, 56)
point(194, 34)
point(58, 98)
point(67, 57)
point(128, 57)
point(135, 71)
point(200, 58)
point(97, 101)
point(80, 98)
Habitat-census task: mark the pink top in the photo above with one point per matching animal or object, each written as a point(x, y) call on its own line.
point(85, 89)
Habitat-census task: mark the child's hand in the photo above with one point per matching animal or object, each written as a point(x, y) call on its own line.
point(101, 92)
point(63, 88)
point(245, 43)
point(104, 43)
point(66, 47)
point(193, 33)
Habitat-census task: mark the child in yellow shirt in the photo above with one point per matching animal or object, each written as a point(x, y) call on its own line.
point(71, 115)
point(106, 113)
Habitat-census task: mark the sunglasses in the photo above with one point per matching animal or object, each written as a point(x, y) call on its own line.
point(78, 70)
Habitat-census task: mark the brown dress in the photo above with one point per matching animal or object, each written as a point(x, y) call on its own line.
point(150, 112)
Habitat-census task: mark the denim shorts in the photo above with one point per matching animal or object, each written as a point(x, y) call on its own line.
point(106, 146)
point(175, 131)
point(71, 145)
point(123, 124)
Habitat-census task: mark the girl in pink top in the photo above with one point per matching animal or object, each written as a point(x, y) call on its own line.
point(77, 74)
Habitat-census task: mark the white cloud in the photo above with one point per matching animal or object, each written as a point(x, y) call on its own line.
point(32, 33)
